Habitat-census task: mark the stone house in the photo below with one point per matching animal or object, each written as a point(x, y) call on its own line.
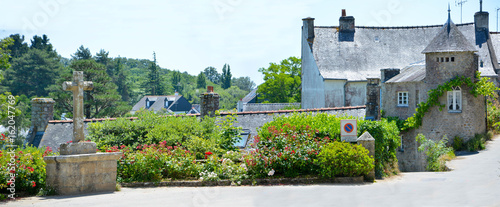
point(171, 104)
point(447, 56)
point(337, 61)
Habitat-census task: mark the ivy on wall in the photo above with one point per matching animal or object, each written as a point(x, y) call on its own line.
point(480, 87)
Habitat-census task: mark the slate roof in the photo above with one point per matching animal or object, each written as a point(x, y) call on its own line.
point(159, 102)
point(413, 73)
point(250, 96)
point(375, 48)
point(449, 39)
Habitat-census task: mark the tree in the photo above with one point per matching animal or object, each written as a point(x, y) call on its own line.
point(200, 81)
point(176, 81)
point(41, 43)
point(102, 101)
point(154, 83)
point(212, 74)
point(82, 53)
point(226, 76)
point(281, 81)
point(32, 73)
point(244, 83)
point(121, 81)
point(4, 55)
point(102, 57)
point(19, 47)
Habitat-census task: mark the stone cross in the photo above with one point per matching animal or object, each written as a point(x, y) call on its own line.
point(77, 87)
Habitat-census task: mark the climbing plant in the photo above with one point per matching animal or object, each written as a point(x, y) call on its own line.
point(480, 87)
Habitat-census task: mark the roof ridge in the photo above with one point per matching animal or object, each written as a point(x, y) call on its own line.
point(398, 27)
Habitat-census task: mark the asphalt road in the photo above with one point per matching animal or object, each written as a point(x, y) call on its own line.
point(474, 181)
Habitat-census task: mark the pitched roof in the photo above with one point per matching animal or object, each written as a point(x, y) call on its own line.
point(375, 48)
point(413, 73)
point(159, 102)
point(449, 39)
point(250, 96)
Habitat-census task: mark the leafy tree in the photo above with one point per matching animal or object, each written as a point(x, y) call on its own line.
point(281, 81)
point(32, 73)
point(19, 47)
point(4, 55)
point(244, 83)
point(226, 76)
point(102, 101)
point(121, 81)
point(201, 81)
point(176, 81)
point(82, 53)
point(212, 74)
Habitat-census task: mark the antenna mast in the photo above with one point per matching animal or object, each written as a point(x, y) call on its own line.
point(461, 3)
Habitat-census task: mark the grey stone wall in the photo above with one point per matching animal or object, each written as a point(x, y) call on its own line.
point(42, 110)
point(267, 106)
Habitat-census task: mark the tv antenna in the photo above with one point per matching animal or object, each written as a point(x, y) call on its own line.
point(461, 3)
point(498, 8)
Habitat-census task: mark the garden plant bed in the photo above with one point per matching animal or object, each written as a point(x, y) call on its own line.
point(268, 181)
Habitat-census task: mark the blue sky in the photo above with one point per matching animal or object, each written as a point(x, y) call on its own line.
point(192, 35)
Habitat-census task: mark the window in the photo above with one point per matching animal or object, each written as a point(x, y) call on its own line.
point(403, 98)
point(455, 100)
point(452, 59)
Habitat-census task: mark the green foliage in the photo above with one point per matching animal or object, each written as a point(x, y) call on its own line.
point(29, 170)
point(4, 54)
point(32, 73)
point(154, 83)
point(291, 107)
point(458, 143)
point(226, 76)
point(82, 53)
point(102, 101)
point(478, 142)
point(244, 83)
point(285, 150)
point(437, 153)
point(216, 169)
point(341, 159)
point(281, 81)
point(212, 75)
point(387, 141)
point(201, 81)
point(480, 87)
point(493, 118)
point(230, 135)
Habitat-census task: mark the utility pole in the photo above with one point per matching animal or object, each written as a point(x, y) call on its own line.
point(461, 3)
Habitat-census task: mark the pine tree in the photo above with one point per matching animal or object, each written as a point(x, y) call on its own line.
point(154, 83)
point(226, 77)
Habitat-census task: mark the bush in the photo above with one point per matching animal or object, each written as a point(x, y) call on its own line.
point(29, 170)
point(286, 151)
point(387, 141)
point(340, 159)
point(458, 144)
point(477, 143)
point(494, 118)
point(386, 134)
point(437, 153)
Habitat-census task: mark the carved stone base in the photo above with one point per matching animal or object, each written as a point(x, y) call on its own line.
point(83, 173)
point(78, 148)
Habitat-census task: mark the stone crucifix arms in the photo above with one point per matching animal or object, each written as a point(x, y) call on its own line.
point(77, 87)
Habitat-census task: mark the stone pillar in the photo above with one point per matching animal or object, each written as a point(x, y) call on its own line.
point(373, 99)
point(209, 102)
point(367, 141)
point(42, 111)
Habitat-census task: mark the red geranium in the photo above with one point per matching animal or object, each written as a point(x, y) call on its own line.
point(207, 154)
point(34, 184)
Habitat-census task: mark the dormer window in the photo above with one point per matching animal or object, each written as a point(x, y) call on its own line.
point(148, 104)
point(166, 103)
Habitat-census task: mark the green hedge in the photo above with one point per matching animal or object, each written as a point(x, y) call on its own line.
point(341, 159)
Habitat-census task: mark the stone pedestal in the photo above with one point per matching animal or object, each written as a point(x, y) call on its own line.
point(82, 173)
point(367, 141)
point(78, 148)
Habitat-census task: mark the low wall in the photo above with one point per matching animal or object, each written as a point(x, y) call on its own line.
point(267, 106)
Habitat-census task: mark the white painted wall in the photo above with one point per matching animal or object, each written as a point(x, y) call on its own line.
point(313, 88)
point(334, 93)
point(355, 93)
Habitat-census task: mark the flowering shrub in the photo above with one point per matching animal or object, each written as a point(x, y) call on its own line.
point(218, 169)
point(153, 163)
point(286, 151)
point(29, 170)
point(341, 159)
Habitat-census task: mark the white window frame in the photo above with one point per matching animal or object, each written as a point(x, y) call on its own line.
point(402, 99)
point(454, 100)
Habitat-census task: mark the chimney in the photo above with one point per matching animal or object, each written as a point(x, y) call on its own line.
point(308, 29)
point(373, 99)
point(42, 111)
point(481, 27)
point(346, 28)
point(388, 73)
point(209, 102)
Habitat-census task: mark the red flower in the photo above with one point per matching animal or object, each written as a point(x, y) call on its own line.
point(208, 153)
point(293, 151)
point(123, 146)
point(34, 184)
point(3, 135)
